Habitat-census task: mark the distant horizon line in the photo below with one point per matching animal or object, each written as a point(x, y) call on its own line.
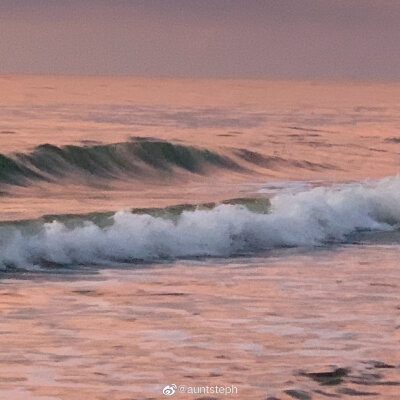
point(202, 77)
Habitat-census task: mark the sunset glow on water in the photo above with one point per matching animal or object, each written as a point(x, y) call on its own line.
point(199, 200)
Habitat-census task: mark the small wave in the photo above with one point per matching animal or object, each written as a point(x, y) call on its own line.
point(315, 217)
point(275, 162)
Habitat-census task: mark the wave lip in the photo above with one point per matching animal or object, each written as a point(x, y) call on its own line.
point(311, 218)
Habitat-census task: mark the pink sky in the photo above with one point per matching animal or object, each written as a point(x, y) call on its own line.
point(217, 38)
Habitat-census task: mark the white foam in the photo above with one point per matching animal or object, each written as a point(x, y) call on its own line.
point(309, 218)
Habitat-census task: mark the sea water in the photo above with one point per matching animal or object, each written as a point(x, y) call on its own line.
point(198, 233)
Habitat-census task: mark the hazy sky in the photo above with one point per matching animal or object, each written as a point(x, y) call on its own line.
point(227, 38)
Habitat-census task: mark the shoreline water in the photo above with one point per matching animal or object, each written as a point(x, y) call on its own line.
point(253, 323)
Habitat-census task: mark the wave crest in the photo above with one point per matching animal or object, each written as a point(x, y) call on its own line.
point(48, 162)
point(138, 159)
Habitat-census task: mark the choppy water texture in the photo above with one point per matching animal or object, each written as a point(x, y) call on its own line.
point(198, 232)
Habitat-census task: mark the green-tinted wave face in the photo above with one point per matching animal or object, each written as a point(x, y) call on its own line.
point(14, 172)
point(164, 154)
point(135, 159)
point(49, 162)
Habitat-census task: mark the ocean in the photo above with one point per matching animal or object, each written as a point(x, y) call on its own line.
point(165, 237)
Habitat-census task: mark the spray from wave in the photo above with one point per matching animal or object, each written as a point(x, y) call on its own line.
point(314, 217)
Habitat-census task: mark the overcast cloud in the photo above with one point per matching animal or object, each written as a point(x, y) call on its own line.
point(217, 38)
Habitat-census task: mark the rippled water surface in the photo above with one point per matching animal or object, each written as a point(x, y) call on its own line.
point(198, 232)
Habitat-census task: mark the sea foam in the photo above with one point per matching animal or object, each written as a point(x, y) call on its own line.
point(313, 217)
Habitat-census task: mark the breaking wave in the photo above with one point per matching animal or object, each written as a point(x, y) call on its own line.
point(48, 162)
point(314, 217)
point(135, 159)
